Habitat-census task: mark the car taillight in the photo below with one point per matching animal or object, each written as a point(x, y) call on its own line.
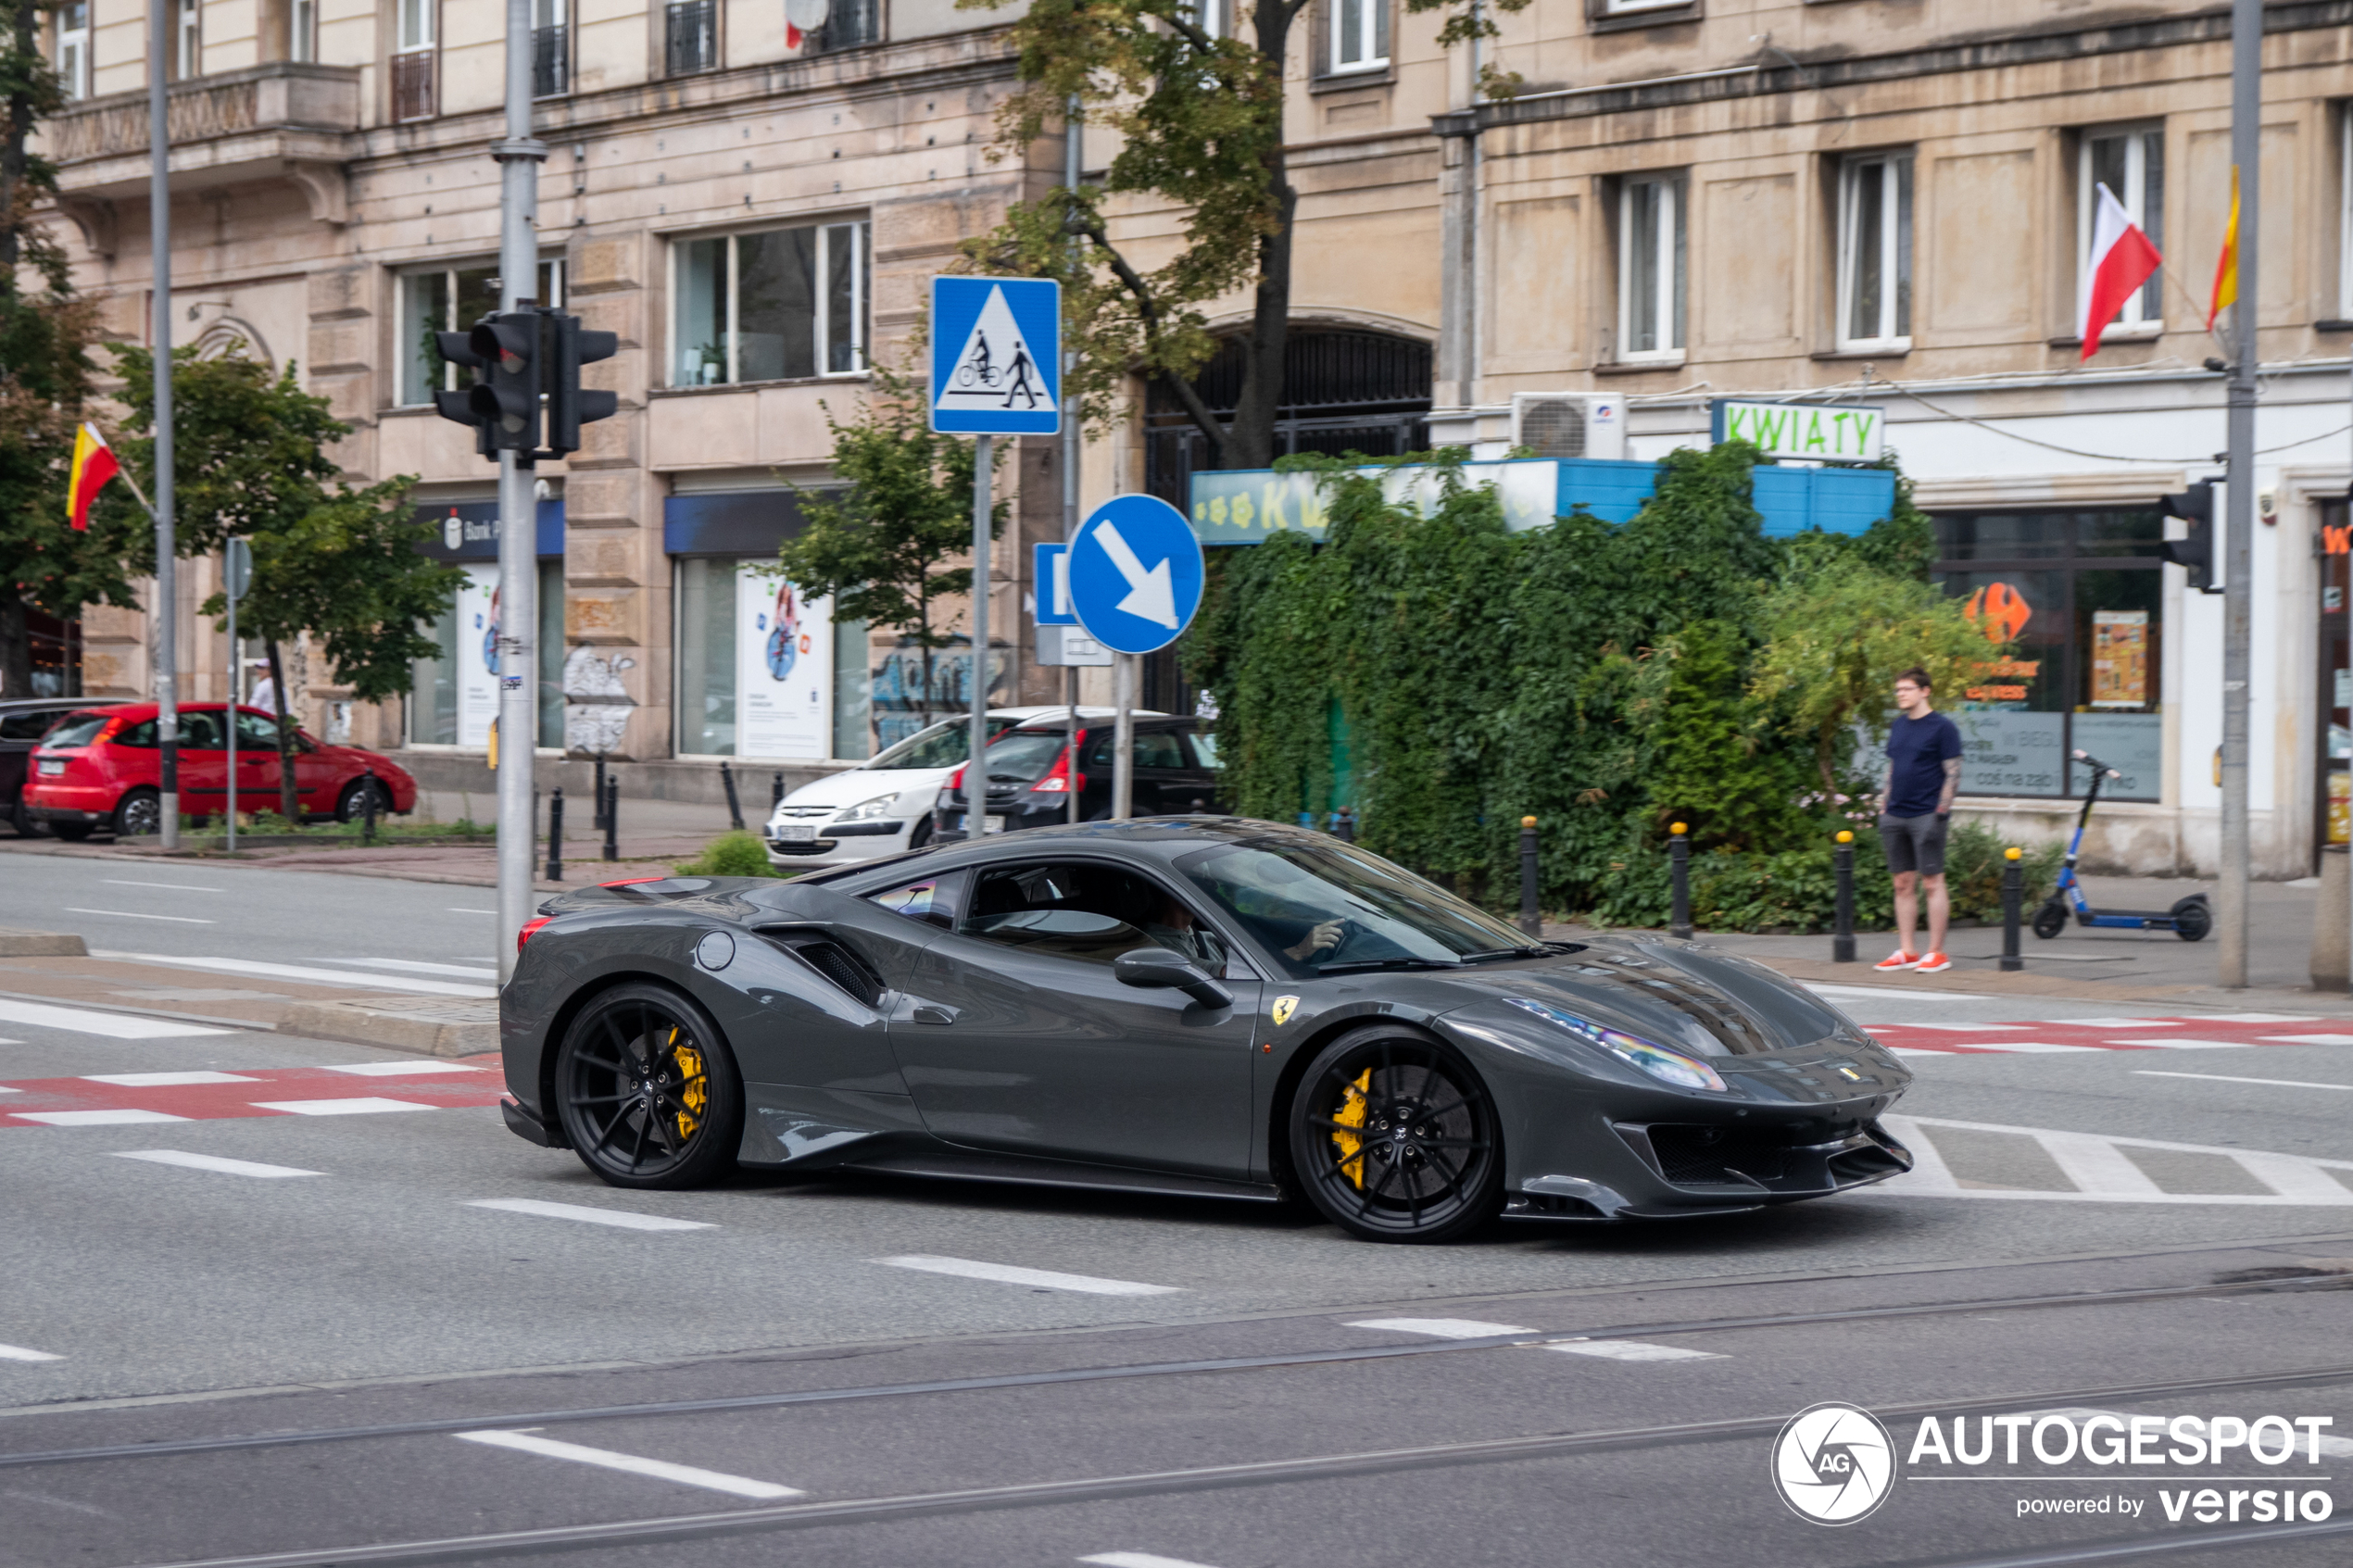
point(525, 933)
point(632, 881)
point(1057, 782)
point(956, 781)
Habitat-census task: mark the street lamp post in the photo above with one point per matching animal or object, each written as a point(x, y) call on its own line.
point(2246, 109)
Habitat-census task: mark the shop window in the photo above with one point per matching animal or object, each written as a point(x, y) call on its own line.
point(455, 694)
point(1651, 270)
point(2132, 165)
point(1875, 251)
point(773, 306)
point(761, 668)
point(72, 57)
point(448, 299)
point(2081, 596)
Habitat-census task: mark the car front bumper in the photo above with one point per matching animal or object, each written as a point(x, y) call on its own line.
point(838, 844)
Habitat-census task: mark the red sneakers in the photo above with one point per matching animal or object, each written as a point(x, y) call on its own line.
point(1899, 960)
point(1932, 963)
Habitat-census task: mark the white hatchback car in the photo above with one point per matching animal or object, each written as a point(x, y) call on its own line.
point(884, 804)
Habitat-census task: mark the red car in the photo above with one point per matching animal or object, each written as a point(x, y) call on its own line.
point(99, 771)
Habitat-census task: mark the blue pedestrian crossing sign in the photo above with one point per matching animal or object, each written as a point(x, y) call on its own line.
point(1136, 574)
point(995, 355)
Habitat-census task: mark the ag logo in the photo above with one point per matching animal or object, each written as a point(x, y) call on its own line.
point(1833, 1464)
point(1282, 1009)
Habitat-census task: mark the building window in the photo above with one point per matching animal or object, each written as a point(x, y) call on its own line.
point(690, 37)
point(1215, 18)
point(2345, 214)
point(1360, 35)
point(551, 48)
point(454, 695)
point(1625, 7)
point(770, 307)
point(2082, 596)
point(448, 299)
point(73, 50)
point(764, 672)
point(412, 60)
point(847, 25)
point(302, 32)
point(2132, 165)
point(187, 41)
point(1875, 251)
point(1651, 267)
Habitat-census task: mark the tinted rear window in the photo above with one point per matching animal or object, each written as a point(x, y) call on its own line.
point(1019, 755)
point(77, 729)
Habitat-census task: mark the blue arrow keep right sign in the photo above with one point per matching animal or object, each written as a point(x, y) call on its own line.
point(1136, 574)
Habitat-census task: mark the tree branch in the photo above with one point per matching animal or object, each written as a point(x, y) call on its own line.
point(1196, 409)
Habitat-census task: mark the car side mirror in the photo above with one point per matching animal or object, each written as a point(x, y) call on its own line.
point(1158, 969)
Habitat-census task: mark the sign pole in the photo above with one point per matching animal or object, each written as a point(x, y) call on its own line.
point(1123, 744)
point(2246, 109)
point(976, 770)
point(236, 575)
point(518, 159)
point(166, 652)
point(1073, 168)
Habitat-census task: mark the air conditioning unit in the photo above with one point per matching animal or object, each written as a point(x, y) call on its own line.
point(1569, 424)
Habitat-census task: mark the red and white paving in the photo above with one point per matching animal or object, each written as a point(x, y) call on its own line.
point(2213, 1032)
point(104, 1099)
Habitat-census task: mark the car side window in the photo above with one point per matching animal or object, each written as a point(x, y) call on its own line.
point(1155, 748)
point(257, 733)
point(141, 734)
point(1204, 747)
point(932, 900)
point(200, 731)
point(1084, 909)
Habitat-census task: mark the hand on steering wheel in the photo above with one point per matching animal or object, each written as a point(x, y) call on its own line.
point(1329, 936)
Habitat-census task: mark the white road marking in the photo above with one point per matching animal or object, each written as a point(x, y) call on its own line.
point(2029, 1046)
point(133, 914)
point(18, 1353)
point(308, 973)
point(1042, 1279)
point(2226, 1078)
point(211, 1162)
point(2176, 1043)
point(1882, 991)
point(83, 1021)
point(471, 971)
point(175, 887)
point(619, 1217)
point(1961, 1028)
point(337, 1107)
point(2102, 1174)
point(398, 1069)
point(165, 1079)
point(2308, 1039)
point(1444, 1328)
point(455, 911)
point(1632, 1350)
point(2097, 1165)
point(661, 1470)
point(91, 1117)
point(2119, 1022)
point(2261, 1018)
point(1139, 1560)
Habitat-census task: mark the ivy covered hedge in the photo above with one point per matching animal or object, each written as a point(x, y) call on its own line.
point(1607, 679)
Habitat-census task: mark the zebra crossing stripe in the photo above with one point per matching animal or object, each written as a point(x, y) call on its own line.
point(2103, 1173)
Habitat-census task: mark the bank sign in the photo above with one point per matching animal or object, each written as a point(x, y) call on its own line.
point(1843, 434)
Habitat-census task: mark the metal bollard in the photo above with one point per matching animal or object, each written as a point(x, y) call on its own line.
point(776, 790)
point(612, 819)
point(555, 835)
point(1531, 922)
point(1346, 830)
point(2013, 897)
point(735, 802)
point(1678, 857)
point(368, 806)
point(596, 802)
point(1842, 920)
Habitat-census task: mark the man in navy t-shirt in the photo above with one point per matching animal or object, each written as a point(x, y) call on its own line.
point(1915, 808)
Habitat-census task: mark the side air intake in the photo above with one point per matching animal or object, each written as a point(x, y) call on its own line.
point(836, 962)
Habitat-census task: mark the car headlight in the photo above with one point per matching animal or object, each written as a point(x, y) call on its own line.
point(1668, 1067)
point(869, 810)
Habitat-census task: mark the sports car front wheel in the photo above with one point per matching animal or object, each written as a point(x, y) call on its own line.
point(648, 1091)
point(1394, 1138)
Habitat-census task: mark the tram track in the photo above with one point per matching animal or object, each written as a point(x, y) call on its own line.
point(1369, 1353)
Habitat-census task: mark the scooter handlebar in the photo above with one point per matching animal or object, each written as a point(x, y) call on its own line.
point(2096, 765)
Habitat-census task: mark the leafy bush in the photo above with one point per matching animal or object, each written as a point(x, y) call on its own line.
point(731, 854)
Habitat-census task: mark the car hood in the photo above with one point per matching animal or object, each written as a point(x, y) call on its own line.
point(854, 786)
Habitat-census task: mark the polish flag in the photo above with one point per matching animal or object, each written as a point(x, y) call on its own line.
point(2122, 260)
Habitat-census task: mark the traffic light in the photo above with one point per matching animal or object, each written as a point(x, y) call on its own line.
point(568, 407)
point(457, 348)
point(2196, 553)
point(506, 397)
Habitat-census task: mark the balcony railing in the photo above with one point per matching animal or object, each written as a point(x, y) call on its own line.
point(283, 96)
point(551, 61)
point(412, 84)
point(849, 24)
point(693, 36)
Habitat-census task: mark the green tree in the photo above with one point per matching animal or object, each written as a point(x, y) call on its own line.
point(46, 337)
point(336, 561)
point(878, 549)
point(1197, 123)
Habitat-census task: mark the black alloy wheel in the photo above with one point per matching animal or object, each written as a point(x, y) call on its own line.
point(139, 812)
point(2050, 920)
point(648, 1091)
point(353, 804)
point(1393, 1137)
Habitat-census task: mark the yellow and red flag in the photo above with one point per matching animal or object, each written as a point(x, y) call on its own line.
point(2226, 266)
point(94, 464)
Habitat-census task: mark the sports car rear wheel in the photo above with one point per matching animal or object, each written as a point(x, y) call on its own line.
point(1393, 1137)
point(648, 1091)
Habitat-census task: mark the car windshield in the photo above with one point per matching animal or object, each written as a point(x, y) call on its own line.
point(1020, 756)
point(942, 746)
point(1328, 908)
point(78, 729)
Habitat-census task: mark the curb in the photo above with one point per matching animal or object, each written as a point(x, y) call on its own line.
point(423, 1026)
point(16, 943)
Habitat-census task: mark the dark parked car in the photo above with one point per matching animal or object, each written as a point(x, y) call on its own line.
point(22, 723)
point(1175, 762)
point(1198, 1005)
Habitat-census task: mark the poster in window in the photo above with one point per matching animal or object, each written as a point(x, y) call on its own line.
point(784, 670)
point(477, 650)
point(2119, 658)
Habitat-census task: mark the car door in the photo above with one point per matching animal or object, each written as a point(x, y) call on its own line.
point(204, 761)
point(318, 776)
point(256, 765)
point(1020, 1038)
point(1166, 781)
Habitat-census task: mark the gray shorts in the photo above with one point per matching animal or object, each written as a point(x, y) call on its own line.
point(1915, 843)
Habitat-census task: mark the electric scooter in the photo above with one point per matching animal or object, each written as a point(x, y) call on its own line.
point(2190, 919)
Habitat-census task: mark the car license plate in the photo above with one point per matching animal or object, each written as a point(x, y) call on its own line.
point(993, 825)
point(50, 770)
point(794, 833)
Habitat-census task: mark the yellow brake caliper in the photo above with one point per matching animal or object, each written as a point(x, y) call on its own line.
point(1352, 1114)
point(694, 1090)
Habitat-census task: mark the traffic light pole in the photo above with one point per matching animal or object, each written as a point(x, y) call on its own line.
point(165, 652)
point(519, 158)
point(2246, 111)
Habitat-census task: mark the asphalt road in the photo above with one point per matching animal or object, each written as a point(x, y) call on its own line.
point(2105, 1234)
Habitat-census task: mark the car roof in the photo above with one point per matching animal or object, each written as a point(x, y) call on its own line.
point(1159, 839)
point(61, 704)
